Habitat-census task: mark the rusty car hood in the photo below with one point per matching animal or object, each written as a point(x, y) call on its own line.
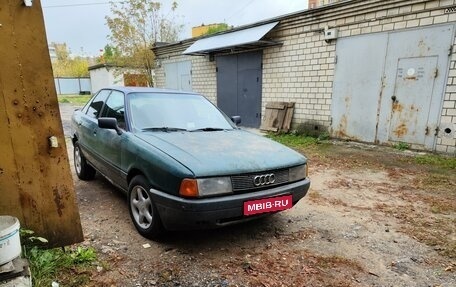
point(223, 152)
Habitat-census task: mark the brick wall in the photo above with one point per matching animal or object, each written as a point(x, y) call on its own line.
point(446, 143)
point(204, 78)
point(302, 69)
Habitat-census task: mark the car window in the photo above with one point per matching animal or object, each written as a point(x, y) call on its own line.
point(114, 108)
point(95, 106)
point(179, 111)
point(86, 106)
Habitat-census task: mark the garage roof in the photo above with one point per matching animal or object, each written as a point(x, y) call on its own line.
point(248, 38)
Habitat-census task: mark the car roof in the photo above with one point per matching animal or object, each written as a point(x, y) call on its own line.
point(128, 90)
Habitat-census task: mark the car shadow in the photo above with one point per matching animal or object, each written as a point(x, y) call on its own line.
point(225, 237)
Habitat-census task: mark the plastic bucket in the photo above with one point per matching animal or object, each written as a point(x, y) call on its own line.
point(10, 242)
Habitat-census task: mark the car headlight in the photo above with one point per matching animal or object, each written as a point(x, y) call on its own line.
point(297, 173)
point(205, 186)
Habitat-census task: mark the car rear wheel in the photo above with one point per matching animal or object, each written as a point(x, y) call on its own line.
point(143, 212)
point(83, 170)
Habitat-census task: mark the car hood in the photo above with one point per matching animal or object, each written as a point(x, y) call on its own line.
point(223, 152)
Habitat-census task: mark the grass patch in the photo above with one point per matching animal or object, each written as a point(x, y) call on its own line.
point(437, 161)
point(401, 146)
point(67, 266)
point(74, 99)
point(296, 141)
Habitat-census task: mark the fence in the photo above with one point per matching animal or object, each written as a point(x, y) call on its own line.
point(67, 86)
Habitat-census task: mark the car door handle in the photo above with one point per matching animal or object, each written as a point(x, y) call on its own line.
point(94, 132)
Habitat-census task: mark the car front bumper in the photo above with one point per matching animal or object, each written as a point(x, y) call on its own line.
point(179, 213)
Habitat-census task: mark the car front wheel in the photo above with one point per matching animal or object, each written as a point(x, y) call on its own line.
point(142, 209)
point(83, 170)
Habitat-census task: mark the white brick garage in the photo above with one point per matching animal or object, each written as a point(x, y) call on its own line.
point(303, 68)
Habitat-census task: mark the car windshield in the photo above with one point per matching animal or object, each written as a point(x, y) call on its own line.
point(175, 112)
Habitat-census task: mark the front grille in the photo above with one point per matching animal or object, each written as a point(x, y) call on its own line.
point(245, 182)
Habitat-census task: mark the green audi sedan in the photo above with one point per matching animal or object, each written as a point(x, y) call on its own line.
point(181, 161)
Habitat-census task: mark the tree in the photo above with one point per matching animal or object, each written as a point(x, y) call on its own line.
point(110, 54)
point(135, 26)
point(217, 28)
point(65, 66)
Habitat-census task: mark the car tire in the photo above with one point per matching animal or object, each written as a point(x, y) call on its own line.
point(143, 211)
point(83, 170)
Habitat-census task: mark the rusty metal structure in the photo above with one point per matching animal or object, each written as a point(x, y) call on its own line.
point(396, 95)
point(35, 179)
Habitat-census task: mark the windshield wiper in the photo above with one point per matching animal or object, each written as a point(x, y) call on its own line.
point(163, 129)
point(208, 129)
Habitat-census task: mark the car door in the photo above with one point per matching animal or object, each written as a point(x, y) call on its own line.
point(88, 128)
point(109, 142)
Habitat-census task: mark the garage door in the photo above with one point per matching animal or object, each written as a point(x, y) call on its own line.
point(178, 76)
point(239, 80)
point(389, 87)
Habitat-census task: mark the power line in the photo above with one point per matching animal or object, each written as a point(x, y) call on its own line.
point(240, 10)
point(81, 4)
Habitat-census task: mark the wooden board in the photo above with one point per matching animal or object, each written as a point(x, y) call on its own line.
point(288, 117)
point(278, 116)
point(35, 180)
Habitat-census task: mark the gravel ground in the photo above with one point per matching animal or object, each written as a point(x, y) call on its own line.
point(351, 230)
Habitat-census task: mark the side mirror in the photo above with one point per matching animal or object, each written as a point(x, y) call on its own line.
point(109, 123)
point(236, 119)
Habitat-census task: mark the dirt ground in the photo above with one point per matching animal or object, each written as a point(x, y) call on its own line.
point(372, 217)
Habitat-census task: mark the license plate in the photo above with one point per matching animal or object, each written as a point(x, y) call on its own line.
point(268, 205)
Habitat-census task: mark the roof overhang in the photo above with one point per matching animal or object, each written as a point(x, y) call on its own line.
point(239, 40)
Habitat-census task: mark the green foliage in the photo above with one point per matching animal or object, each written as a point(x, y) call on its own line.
point(437, 161)
point(324, 136)
point(83, 255)
point(135, 26)
point(111, 55)
point(401, 146)
point(217, 28)
point(56, 264)
point(65, 66)
point(45, 264)
point(49, 265)
point(29, 239)
point(293, 140)
point(74, 99)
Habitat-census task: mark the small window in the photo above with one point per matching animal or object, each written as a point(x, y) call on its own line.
point(114, 108)
point(97, 103)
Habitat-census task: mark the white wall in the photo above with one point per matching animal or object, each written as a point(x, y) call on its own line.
point(104, 77)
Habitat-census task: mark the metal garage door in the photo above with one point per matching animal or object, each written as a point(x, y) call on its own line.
point(389, 87)
point(178, 76)
point(412, 99)
point(239, 79)
point(357, 85)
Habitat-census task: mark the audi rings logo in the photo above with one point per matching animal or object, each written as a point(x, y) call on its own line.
point(264, 179)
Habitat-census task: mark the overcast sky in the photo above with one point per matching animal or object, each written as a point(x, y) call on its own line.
point(82, 25)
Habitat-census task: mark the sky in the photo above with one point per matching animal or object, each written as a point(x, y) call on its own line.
point(81, 24)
